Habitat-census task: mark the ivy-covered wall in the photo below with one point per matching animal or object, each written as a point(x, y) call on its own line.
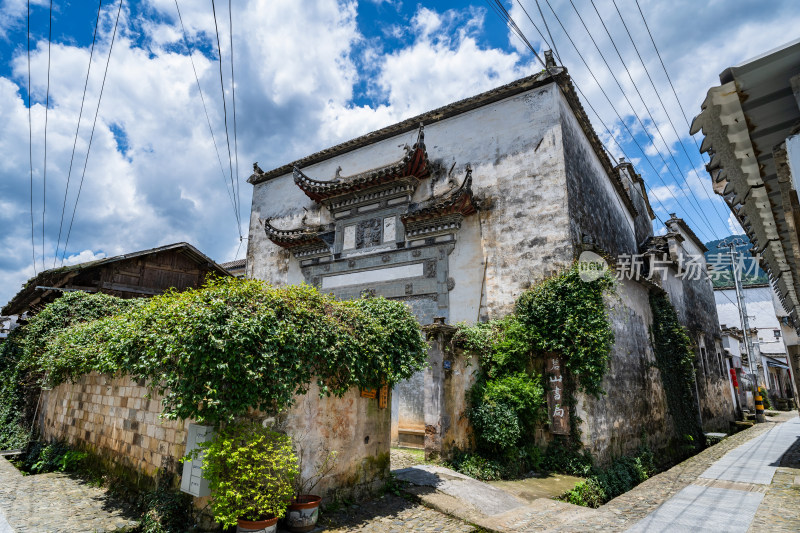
point(634, 402)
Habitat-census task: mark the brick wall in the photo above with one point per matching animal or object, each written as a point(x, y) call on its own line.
point(113, 417)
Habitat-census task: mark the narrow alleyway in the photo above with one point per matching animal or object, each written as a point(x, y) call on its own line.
point(727, 496)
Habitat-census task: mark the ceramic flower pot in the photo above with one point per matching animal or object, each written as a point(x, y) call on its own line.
point(302, 514)
point(270, 525)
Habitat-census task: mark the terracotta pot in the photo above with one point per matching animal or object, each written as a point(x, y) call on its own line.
point(302, 514)
point(270, 525)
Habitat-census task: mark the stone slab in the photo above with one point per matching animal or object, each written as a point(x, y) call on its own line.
point(703, 509)
point(486, 499)
point(756, 460)
point(4, 525)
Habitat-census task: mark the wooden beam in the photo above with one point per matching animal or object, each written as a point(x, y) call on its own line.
point(130, 288)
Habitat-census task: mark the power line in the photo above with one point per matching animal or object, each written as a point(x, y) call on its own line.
point(668, 78)
point(553, 41)
point(46, 109)
point(599, 118)
point(205, 109)
point(658, 129)
point(225, 111)
point(512, 24)
point(77, 130)
point(235, 139)
point(30, 135)
point(616, 112)
point(699, 209)
point(91, 136)
point(501, 10)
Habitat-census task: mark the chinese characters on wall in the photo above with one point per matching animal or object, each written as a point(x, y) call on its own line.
point(557, 411)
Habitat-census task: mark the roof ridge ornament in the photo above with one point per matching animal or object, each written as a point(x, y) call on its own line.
point(412, 167)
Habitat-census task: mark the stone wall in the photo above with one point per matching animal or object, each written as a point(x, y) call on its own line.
point(634, 402)
point(111, 417)
point(115, 420)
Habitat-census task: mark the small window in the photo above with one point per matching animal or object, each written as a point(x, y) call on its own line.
point(704, 358)
point(777, 333)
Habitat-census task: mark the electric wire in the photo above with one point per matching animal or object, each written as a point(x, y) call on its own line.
point(46, 109)
point(655, 123)
point(91, 136)
point(658, 94)
point(225, 109)
point(685, 118)
point(698, 209)
point(30, 136)
point(235, 139)
point(547, 27)
point(608, 130)
point(205, 108)
point(77, 130)
point(617, 113)
point(513, 25)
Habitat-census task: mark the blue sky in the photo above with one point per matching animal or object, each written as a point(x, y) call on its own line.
point(311, 74)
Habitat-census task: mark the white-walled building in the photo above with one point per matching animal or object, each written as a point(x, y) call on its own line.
point(770, 334)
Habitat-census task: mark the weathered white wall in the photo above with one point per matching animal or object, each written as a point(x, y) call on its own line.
point(513, 145)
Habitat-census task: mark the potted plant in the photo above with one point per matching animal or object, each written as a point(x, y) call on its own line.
point(251, 471)
point(303, 512)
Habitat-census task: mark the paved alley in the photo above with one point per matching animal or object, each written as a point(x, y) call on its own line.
point(727, 496)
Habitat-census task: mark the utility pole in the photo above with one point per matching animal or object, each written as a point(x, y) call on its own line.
point(731, 244)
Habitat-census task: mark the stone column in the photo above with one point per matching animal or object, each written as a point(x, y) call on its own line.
point(436, 423)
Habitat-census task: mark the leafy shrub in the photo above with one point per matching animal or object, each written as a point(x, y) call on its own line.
point(587, 493)
point(165, 511)
point(251, 471)
point(478, 467)
point(765, 398)
point(496, 426)
point(13, 427)
point(55, 456)
point(215, 352)
point(621, 476)
point(504, 409)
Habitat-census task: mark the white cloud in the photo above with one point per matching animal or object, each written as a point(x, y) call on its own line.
point(83, 257)
point(734, 226)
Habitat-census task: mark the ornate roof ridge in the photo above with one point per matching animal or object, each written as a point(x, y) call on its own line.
point(290, 238)
point(413, 164)
point(460, 200)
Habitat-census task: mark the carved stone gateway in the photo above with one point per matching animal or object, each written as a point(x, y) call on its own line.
point(381, 243)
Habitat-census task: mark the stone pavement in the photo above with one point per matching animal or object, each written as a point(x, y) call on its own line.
point(391, 514)
point(56, 503)
point(748, 480)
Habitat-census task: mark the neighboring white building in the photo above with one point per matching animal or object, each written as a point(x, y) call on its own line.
point(7, 324)
point(770, 334)
point(750, 126)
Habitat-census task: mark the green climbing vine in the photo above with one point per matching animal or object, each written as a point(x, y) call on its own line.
point(675, 361)
point(22, 367)
point(562, 315)
point(232, 345)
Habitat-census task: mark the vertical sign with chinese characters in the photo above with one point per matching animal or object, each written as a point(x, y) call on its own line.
point(558, 413)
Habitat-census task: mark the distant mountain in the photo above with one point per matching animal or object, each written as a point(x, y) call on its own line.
point(721, 275)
